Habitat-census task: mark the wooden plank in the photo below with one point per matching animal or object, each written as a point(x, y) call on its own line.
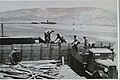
point(48, 76)
point(23, 70)
point(11, 72)
point(34, 76)
point(40, 62)
point(17, 76)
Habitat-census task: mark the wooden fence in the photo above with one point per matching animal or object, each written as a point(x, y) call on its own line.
point(36, 51)
point(41, 51)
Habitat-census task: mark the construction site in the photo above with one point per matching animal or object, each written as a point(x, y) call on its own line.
point(59, 39)
point(40, 60)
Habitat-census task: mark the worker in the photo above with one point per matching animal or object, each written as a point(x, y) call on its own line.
point(61, 39)
point(47, 35)
point(75, 46)
point(15, 56)
point(73, 24)
point(85, 42)
point(93, 45)
point(75, 39)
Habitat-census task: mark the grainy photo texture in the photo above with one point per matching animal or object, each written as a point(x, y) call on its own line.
point(58, 39)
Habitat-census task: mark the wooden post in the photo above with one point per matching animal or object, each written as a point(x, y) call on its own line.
point(2, 30)
point(109, 45)
point(31, 52)
point(59, 52)
point(11, 47)
point(63, 62)
point(1, 54)
point(101, 44)
point(68, 54)
point(50, 51)
point(21, 50)
point(41, 52)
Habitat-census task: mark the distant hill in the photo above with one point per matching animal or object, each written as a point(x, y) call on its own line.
point(79, 15)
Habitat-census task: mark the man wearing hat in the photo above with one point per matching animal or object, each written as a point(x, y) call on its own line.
point(47, 35)
point(85, 41)
point(15, 56)
point(75, 46)
point(60, 39)
point(75, 39)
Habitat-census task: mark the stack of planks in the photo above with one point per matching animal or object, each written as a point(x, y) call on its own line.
point(43, 69)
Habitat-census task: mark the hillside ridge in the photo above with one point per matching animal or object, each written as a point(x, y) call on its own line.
point(77, 15)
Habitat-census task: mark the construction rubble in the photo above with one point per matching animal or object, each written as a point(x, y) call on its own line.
point(42, 69)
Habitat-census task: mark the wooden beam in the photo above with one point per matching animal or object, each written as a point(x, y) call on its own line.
point(17, 76)
point(2, 34)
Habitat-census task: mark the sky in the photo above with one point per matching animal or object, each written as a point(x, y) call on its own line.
point(6, 5)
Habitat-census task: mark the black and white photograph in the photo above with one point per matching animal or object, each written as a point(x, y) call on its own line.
point(59, 39)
